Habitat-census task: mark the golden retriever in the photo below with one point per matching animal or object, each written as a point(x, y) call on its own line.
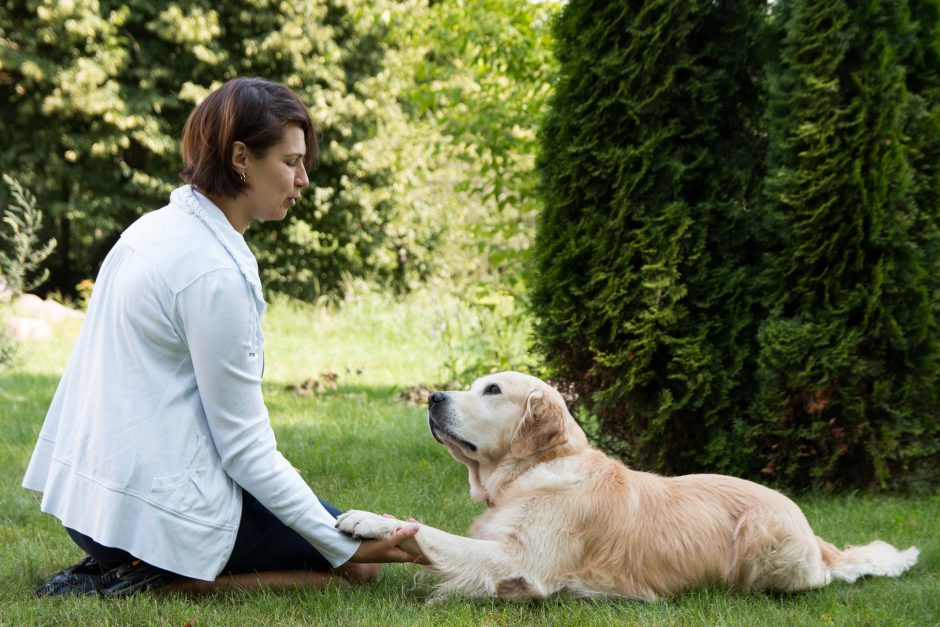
point(565, 518)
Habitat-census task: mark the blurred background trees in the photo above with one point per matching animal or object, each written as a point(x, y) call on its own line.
point(721, 219)
point(427, 118)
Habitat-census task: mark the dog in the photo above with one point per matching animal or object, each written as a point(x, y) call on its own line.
point(564, 518)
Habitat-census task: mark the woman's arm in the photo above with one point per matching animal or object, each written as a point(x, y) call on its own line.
point(218, 321)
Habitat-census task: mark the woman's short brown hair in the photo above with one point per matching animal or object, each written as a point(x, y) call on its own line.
point(253, 111)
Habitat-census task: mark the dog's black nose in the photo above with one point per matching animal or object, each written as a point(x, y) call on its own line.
point(437, 397)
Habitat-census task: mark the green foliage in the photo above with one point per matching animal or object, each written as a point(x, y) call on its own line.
point(419, 142)
point(94, 96)
point(716, 317)
point(21, 256)
point(921, 126)
point(79, 88)
point(479, 333)
point(848, 354)
point(645, 248)
point(481, 82)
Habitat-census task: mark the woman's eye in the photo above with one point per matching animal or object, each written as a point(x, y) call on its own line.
point(492, 389)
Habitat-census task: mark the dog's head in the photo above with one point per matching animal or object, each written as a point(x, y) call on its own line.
point(503, 421)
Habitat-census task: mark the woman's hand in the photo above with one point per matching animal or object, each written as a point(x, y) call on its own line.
point(363, 566)
point(387, 550)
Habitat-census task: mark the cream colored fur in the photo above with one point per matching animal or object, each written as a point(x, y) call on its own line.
point(565, 518)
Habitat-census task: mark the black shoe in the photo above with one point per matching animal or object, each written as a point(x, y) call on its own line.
point(132, 577)
point(80, 578)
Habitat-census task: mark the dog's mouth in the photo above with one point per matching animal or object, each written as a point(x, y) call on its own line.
point(445, 436)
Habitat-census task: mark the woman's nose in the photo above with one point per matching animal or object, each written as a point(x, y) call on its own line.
point(302, 180)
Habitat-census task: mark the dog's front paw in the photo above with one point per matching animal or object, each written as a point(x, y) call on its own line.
point(366, 525)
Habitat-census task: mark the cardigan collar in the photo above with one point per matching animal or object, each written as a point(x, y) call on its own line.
point(199, 206)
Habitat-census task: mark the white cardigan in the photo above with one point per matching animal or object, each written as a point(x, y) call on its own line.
point(159, 418)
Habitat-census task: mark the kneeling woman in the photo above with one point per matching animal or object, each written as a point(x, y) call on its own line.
point(157, 453)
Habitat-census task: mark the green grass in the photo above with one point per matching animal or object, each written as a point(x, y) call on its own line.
point(361, 446)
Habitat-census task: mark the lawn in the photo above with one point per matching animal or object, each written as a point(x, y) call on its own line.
point(361, 445)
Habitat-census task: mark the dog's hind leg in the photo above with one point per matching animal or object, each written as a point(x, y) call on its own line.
point(776, 552)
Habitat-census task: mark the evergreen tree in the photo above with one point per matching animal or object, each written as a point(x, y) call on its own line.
point(848, 359)
point(649, 163)
point(922, 130)
point(94, 96)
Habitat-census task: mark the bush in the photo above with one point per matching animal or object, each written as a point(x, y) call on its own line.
point(94, 97)
point(478, 333)
point(21, 256)
point(848, 354)
point(426, 111)
point(645, 248)
point(712, 316)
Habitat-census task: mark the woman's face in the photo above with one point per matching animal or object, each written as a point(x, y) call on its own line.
point(275, 180)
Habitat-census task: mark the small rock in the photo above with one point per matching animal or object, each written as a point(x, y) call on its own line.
point(23, 329)
point(31, 306)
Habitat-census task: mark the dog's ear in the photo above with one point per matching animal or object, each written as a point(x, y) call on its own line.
point(542, 426)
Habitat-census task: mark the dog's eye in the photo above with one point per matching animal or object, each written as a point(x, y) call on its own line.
point(492, 389)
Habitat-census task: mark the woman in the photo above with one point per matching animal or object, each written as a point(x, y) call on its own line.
point(157, 453)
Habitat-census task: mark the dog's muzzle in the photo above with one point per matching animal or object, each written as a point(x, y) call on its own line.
point(435, 420)
point(438, 422)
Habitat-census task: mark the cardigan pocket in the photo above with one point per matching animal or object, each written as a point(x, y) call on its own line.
point(179, 493)
point(187, 492)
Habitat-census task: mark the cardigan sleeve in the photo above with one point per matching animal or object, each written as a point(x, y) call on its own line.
point(219, 324)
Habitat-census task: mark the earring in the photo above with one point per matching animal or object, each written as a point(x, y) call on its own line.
point(243, 177)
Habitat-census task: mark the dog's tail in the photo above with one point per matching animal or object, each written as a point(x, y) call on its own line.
point(875, 558)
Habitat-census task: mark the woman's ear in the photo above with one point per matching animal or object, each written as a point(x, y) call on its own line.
point(239, 157)
point(542, 426)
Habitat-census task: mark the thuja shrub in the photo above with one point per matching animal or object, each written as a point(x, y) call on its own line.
point(737, 258)
point(848, 354)
point(651, 155)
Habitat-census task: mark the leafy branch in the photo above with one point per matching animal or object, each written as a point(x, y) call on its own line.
point(20, 251)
